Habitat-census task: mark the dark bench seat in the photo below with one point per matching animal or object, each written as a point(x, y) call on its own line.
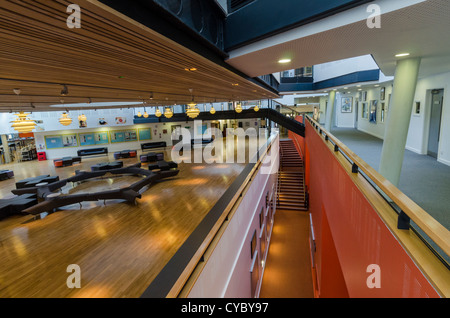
point(163, 165)
point(125, 154)
point(66, 161)
point(153, 145)
point(6, 174)
point(201, 141)
point(92, 152)
point(152, 157)
point(32, 182)
point(107, 166)
point(16, 205)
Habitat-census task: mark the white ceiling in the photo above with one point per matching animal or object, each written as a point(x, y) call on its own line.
point(416, 26)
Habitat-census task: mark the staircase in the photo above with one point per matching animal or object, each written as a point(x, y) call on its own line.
point(291, 185)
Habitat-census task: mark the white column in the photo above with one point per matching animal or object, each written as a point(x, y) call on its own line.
point(6, 148)
point(329, 110)
point(399, 117)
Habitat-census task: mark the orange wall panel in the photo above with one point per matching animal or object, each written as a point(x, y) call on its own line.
point(346, 224)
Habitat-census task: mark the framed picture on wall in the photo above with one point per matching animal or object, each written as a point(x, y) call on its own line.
point(346, 105)
point(382, 93)
point(363, 96)
point(373, 111)
point(364, 112)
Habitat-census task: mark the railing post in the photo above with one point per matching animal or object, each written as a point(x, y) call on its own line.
point(404, 221)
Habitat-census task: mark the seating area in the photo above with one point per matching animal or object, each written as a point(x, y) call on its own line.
point(153, 145)
point(6, 174)
point(125, 154)
point(151, 157)
point(107, 166)
point(66, 161)
point(92, 152)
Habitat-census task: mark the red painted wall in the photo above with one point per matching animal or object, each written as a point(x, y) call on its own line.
point(350, 235)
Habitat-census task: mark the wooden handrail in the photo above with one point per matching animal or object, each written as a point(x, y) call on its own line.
point(436, 231)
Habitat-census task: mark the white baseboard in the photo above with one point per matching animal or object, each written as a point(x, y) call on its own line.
point(370, 133)
point(445, 162)
point(414, 150)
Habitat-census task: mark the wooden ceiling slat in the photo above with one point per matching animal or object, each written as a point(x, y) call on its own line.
point(39, 52)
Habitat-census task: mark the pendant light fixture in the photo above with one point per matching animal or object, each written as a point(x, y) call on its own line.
point(139, 114)
point(238, 108)
point(193, 110)
point(146, 115)
point(158, 112)
point(23, 124)
point(168, 113)
point(256, 109)
point(65, 120)
point(212, 111)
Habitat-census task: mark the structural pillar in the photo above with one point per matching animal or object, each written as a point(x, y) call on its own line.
point(398, 120)
point(5, 144)
point(330, 110)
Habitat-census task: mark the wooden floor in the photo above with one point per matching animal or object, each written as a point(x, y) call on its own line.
point(119, 247)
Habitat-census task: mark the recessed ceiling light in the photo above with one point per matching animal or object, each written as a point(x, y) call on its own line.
point(402, 55)
point(284, 61)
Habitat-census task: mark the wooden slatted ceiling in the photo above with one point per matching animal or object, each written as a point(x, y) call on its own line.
point(38, 53)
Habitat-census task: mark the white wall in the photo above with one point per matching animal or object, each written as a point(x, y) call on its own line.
point(419, 127)
point(338, 68)
point(417, 140)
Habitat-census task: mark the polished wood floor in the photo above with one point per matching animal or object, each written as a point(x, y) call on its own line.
point(119, 247)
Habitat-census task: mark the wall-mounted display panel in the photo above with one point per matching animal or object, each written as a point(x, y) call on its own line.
point(61, 141)
point(145, 134)
point(123, 135)
point(92, 139)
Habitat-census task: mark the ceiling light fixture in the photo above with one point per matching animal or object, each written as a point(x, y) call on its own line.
point(158, 112)
point(65, 120)
point(212, 111)
point(256, 109)
point(22, 123)
point(284, 61)
point(82, 117)
point(402, 54)
point(168, 113)
point(238, 108)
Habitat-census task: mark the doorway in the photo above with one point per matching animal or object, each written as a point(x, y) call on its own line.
point(437, 99)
